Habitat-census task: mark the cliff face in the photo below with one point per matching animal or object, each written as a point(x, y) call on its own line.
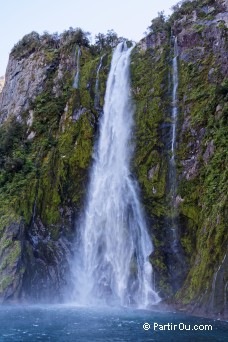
point(47, 135)
point(193, 272)
point(202, 155)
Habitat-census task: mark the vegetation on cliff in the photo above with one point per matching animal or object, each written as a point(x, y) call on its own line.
point(45, 157)
point(46, 144)
point(201, 200)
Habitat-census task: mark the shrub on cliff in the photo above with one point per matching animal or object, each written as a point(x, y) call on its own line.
point(158, 24)
point(75, 36)
point(106, 41)
point(26, 46)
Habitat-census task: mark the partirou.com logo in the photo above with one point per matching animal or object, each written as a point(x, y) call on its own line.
point(180, 326)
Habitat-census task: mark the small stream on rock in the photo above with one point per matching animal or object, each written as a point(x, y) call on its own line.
point(76, 78)
point(97, 91)
point(176, 258)
point(174, 99)
point(172, 163)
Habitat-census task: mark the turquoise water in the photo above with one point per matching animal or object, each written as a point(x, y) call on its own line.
point(70, 324)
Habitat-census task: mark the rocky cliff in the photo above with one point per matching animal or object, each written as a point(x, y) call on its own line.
point(47, 135)
point(48, 129)
point(2, 82)
point(192, 272)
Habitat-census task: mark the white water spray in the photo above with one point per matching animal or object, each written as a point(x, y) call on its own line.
point(112, 259)
point(76, 78)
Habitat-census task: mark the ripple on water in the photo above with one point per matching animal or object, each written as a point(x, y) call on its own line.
point(70, 324)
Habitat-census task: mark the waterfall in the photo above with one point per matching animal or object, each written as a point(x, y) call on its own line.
point(111, 264)
point(76, 78)
point(176, 260)
point(214, 284)
point(172, 166)
point(97, 93)
point(174, 99)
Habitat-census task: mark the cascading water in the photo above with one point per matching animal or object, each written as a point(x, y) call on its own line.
point(174, 99)
point(76, 78)
point(176, 258)
point(97, 93)
point(113, 247)
point(172, 168)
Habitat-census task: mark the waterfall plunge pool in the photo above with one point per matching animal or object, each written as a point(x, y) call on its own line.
point(71, 323)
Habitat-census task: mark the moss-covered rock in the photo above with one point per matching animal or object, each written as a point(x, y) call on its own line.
point(199, 210)
point(47, 134)
point(46, 150)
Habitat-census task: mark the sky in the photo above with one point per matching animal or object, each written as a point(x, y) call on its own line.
point(128, 18)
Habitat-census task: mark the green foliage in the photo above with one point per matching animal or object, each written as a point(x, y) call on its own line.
point(151, 100)
point(51, 170)
point(186, 7)
point(158, 24)
point(5, 282)
point(47, 112)
point(202, 122)
point(15, 163)
point(50, 41)
point(205, 193)
point(75, 37)
point(10, 135)
point(150, 90)
point(106, 41)
point(26, 46)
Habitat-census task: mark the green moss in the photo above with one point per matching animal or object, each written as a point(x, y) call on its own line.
point(202, 187)
point(40, 179)
point(5, 282)
point(204, 194)
point(150, 89)
point(51, 172)
point(12, 256)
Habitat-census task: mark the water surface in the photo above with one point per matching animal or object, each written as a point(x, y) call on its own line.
point(69, 324)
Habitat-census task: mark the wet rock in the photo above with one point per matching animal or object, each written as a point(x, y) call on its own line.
point(30, 118)
point(222, 17)
point(153, 171)
point(11, 261)
point(219, 112)
point(191, 55)
point(31, 135)
point(190, 168)
point(153, 41)
point(209, 152)
point(154, 190)
point(218, 108)
point(178, 200)
point(78, 113)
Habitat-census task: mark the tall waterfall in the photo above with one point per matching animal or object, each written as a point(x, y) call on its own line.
point(76, 78)
point(174, 98)
point(177, 262)
point(113, 247)
point(172, 165)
